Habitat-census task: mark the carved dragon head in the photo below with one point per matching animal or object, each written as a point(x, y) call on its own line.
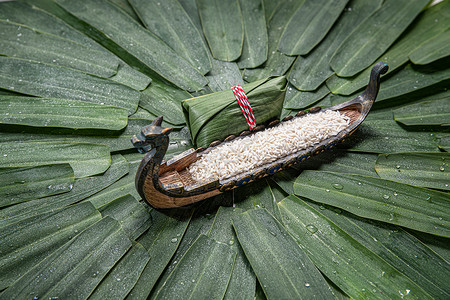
point(151, 136)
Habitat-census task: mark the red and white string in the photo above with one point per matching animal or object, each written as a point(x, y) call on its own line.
point(246, 108)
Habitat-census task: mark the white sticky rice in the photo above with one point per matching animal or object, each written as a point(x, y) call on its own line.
point(266, 146)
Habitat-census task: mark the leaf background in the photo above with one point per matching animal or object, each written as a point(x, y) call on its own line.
point(368, 220)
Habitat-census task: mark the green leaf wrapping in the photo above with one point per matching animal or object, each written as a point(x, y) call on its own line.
point(215, 116)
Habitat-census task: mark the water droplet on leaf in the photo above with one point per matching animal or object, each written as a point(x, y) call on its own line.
point(311, 228)
point(338, 186)
point(391, 217)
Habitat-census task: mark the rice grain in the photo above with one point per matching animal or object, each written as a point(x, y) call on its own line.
point(242, 155)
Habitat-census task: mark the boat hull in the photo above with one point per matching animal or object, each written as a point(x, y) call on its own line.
point(169, 185)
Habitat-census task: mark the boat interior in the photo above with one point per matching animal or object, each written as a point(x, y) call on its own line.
point(174, 171)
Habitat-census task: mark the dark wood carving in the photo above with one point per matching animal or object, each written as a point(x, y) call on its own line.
point(168, 184)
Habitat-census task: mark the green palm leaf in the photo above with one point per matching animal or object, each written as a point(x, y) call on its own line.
point(445, 143)
point(336, 254)
point(136, 45)
point(378, 199)
point(85, 159)
point(161, 242)
point(435, 112)
point(309, 25)
point(397, 247)
point(45, 112)
point(383, 136)
point(277, 63)
point(169, 21)
point(82, 189)
point(123, 276)
point(269, 250)
point(434, 49)
point(430, 23)
point(374, 36)
point(40, 20)
point(37, 79)
point(243, 281)
point(24, 42)
point(98, 247)
point(26, 243)
point(254, 49)
point(296, 99)
point(133, 217)
point(198, 273)
point(223, 27)
point(310, 71)
point(223, 75)
point(28, 183)
point(420, 169)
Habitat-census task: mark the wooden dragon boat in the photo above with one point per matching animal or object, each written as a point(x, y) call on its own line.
point(168, 184)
